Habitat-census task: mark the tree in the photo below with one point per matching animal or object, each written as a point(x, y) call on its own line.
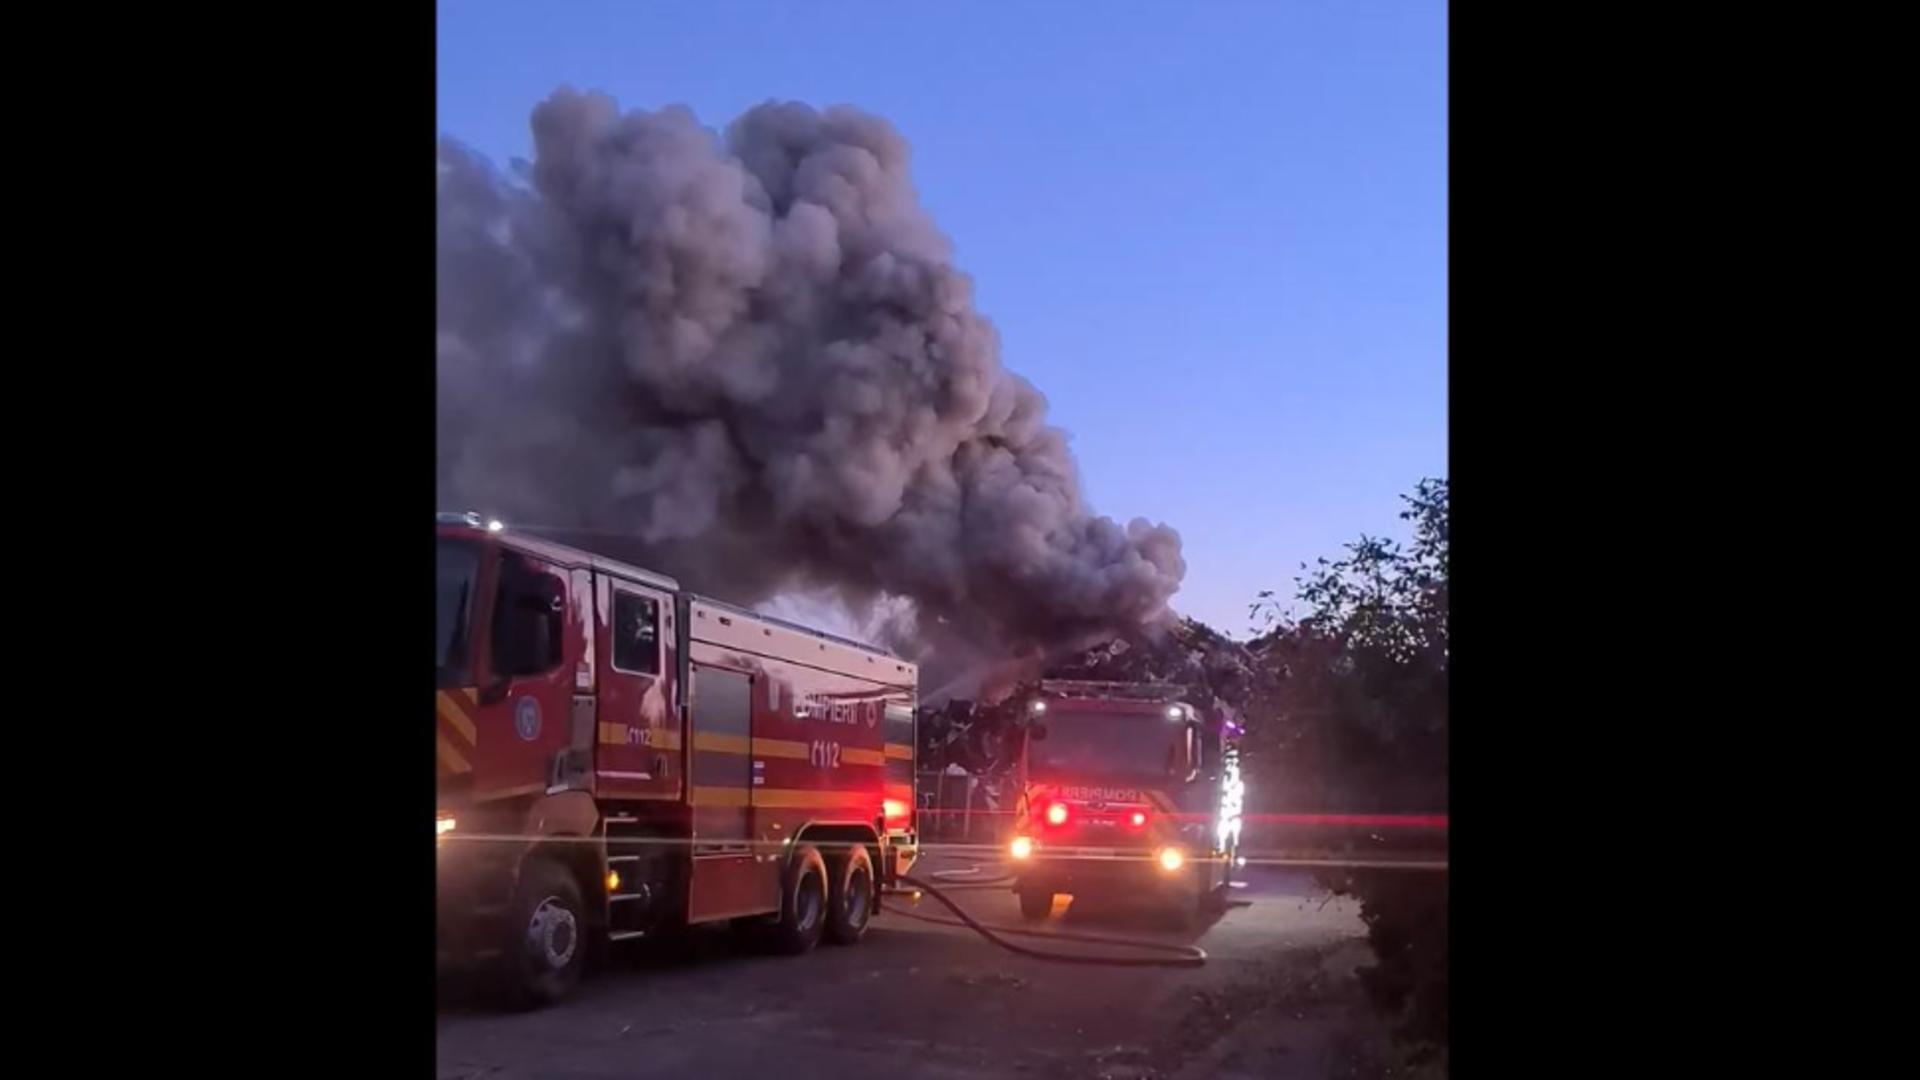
point(1356, 694)
point(1353, 715)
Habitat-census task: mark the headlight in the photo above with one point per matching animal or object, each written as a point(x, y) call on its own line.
point(1021, 847)
point(1171, 859)
point(442, 826)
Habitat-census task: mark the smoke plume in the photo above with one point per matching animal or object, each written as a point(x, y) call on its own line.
point(747, 359)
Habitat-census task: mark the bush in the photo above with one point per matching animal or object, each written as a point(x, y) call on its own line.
point(1352, 713)
point(1406, 916)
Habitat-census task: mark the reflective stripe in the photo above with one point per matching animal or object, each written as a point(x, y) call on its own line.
point(452, 713)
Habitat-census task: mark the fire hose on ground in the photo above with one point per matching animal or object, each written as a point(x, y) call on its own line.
point(1182, 956)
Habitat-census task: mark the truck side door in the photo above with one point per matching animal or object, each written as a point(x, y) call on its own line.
point(637, 737)
point(537, 640)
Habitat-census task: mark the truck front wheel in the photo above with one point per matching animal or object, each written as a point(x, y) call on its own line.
point(547, 948)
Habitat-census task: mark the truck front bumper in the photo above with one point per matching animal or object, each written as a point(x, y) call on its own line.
point(903, 849)
point(473, 886)
point(1136, 873)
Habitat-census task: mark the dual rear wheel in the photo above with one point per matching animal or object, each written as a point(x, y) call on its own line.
point(830, 897)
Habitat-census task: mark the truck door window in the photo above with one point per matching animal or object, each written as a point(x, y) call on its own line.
point(528, 618)
point(636, 633)
point(457, 565)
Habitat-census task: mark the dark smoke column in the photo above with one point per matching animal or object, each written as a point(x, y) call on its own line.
point(754, 356)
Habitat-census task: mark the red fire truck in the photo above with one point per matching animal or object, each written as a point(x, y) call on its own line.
point(618, 757)
point(1124, 787)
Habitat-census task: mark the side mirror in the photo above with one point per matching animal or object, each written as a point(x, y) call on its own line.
point(1185, 755)
point(494, 692)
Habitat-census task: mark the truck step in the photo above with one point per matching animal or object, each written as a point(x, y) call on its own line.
point(621, 819)
point(623, 858)
point(626, 935)
point(617, 897)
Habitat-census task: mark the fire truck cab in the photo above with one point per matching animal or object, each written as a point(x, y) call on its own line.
point(1124, 787)
point(617, 757)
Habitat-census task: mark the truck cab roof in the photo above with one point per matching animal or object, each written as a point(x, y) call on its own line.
point(471, 526)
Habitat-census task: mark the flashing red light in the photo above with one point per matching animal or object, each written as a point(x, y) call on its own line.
point(1138, 819)
point(1057, 813)
point(894, 810)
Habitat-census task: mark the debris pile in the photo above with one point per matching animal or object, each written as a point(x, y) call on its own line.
point(1218, 674)
point(1188, 653)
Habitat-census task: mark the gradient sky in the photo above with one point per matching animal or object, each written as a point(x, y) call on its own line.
point(1213, 234)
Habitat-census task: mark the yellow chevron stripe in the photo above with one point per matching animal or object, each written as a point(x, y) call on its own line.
point(473, 695)
point(899, 751)
point(451, 712)
point(1160, 801)
point(719, 796)
point(853, 755)
point(449, 756)
point(613, 734)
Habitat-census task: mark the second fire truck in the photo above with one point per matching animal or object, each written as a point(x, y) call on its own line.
point(1124, 788)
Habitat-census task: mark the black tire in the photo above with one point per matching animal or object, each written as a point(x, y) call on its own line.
point(1190, 907)
point(546, 947)
point(803, 904)
point(1035, 904)
point(850, 901)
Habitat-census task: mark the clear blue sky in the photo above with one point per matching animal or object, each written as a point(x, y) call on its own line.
point(1213, 234)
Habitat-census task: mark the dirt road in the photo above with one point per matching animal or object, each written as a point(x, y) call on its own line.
point(915, 1000)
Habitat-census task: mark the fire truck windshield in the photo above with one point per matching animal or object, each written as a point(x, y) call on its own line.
point(1105, 744)
point(458, 562)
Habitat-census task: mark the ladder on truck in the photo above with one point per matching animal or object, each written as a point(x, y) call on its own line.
point(1161, 693)
point(635, 908)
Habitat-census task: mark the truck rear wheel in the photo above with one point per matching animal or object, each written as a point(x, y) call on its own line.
point(850, 901)
point(803, 905)
point(546, 947)
point(1035, 904)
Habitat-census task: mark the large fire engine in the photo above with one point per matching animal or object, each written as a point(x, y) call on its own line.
point(618, 757)
point(1124, 788)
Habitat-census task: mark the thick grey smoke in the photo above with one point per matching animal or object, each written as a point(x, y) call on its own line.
point(751, 356)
